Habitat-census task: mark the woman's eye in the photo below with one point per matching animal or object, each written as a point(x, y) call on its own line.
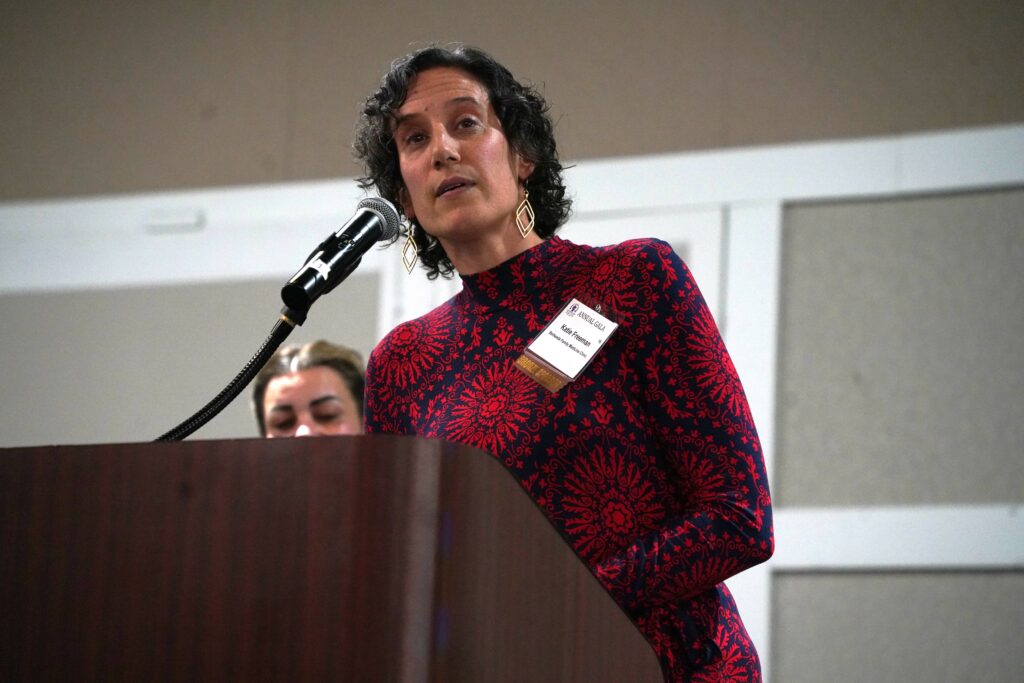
point(414, 138)
point(281, 426)
point(325, 418)
point(468, 123)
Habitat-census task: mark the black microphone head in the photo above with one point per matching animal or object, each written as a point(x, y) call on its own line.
point(388, 215)
point(340, 253)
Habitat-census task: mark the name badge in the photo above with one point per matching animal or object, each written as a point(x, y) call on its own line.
point(563, 349)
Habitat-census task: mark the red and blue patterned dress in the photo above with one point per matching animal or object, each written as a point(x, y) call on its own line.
point(649, 463)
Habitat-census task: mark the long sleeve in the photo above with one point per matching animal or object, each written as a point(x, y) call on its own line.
point(406, 359)
point(702, 423)
point(377, 414)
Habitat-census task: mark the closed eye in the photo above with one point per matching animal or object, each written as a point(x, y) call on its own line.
point(285, 425)
point(328, 417)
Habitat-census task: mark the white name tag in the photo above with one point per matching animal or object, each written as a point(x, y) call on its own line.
point(570, 341)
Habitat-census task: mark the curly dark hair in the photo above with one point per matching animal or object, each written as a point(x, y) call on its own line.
point(524, 118)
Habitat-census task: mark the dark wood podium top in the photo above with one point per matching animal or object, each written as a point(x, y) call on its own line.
point(373, 558)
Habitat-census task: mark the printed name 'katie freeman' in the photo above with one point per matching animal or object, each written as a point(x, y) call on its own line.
point(575, 335)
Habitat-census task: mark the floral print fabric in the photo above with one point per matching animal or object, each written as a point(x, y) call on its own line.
point(648, 464)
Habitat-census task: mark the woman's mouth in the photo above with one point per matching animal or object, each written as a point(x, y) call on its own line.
point(452, 186)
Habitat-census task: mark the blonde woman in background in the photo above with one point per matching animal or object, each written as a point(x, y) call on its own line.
point(313, 389)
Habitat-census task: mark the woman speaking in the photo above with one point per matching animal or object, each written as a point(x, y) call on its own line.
point(596, 375)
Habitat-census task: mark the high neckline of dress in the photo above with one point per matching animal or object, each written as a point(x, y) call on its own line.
point(509, 282)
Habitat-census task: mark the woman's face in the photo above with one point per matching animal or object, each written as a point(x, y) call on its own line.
point(461, 178)
point(311, 402)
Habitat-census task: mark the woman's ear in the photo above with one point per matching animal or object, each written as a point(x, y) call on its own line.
point(524, 168)
point(406, 202)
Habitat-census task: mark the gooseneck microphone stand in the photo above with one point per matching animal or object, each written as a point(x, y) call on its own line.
point(286, 323)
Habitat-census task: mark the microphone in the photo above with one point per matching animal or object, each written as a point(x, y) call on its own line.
point(338, 255)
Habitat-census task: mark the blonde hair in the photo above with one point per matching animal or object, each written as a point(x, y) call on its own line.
point(294, 357)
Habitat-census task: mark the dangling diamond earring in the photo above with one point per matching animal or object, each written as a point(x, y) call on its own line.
point(525, 209)
point(410, 246)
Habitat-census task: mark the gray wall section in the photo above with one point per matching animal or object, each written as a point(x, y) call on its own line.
point(936, 627)
point(899, 383)
point(110, 97)
point(900, 369)
point(130, 364)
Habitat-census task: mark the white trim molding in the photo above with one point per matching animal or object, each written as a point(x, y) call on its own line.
point(900, 538)
point(225, 234)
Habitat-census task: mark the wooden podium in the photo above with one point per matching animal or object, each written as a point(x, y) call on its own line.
point(372, 558)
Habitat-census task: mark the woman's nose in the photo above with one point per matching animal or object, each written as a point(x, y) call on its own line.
point(446, 149)
point(305, 428)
